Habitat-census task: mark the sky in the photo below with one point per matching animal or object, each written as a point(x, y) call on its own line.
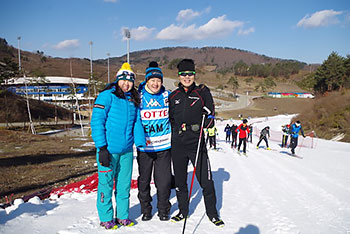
point(268, 192)
point(307, 31)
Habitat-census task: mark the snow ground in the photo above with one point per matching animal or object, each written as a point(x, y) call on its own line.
point(266, 192)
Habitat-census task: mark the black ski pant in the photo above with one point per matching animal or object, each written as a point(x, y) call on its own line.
point(284, 140)
point(244, 141)
point(212, 141)
point(228, 137)
point(160, 164)
point(234, 140)
point(265, 139)
point(293, 143)
point(181, 155)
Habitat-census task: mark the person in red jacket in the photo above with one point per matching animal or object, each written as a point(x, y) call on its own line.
point(243, 131)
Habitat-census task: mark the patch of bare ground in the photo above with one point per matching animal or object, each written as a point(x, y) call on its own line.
point(30, 163)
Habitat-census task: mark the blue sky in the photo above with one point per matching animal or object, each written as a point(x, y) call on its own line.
point(304, 30)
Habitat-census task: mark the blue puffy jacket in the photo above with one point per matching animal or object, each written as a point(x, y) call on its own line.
point(116, 122)
point(294, 131)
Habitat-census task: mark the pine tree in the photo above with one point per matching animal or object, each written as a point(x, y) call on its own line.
point(331, 74)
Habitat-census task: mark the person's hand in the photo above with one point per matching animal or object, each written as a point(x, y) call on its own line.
point(104, 156)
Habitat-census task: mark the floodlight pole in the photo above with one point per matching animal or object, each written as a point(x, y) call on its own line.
point(19, 55)
point(90, 43)
point(127, 35)
point(108, 54)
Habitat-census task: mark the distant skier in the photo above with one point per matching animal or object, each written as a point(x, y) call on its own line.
point(228, 133)
point(285, 132)
point(250, 135)
point(243, 131)
point(263, 136)
point(294, 134)
point(234, 135)
point(212, 137)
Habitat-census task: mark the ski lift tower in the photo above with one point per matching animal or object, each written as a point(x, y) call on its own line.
point(127, 36)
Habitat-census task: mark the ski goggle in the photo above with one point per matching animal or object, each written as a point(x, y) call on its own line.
point(192, 73)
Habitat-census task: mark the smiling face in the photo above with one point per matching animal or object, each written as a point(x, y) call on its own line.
point(154, 84)
point(125, 85)
point(186, 78)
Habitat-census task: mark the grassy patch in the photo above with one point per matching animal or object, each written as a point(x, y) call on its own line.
point(29, 163)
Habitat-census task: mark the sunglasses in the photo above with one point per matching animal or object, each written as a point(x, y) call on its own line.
point(192, 73)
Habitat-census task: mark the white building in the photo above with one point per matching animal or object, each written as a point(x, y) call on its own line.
point(59, 90)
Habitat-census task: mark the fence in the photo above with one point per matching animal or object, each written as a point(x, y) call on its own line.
point(277, 136)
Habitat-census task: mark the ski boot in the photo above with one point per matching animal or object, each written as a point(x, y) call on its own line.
point(177, 218)
point(217, 221)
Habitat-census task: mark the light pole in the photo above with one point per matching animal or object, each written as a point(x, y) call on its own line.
point(19, 55)
point(108, 54)
point(90, 43)
point(127, 35)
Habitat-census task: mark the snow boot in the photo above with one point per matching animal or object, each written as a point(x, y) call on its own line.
point(109, 225)
point(163, 217)
point(126, 222)
point(146, 217)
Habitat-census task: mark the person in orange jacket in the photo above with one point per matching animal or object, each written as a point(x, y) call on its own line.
point(243, 132)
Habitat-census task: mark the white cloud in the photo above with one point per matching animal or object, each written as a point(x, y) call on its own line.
point(67, 44)
point(187, 15)
point(113, 1)
point(243, 32)
point(320, 19)
point(140, 33)
point(216, 27)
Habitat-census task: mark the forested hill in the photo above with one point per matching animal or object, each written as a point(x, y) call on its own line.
point(222, 57)
point(38, 63)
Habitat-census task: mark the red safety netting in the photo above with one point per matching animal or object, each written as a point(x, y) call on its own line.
point(84, 186)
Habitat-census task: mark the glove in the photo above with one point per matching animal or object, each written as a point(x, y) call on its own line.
point(104, 157)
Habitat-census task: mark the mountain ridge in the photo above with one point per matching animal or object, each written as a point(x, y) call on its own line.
point(218, 57)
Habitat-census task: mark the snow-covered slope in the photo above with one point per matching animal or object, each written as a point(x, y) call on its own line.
point(266, 192)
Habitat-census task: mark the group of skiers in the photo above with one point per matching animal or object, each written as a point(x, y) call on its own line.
point(292, 130)
point(244, 132)
point(167, 128)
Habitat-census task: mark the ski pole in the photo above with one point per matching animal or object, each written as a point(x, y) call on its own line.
point(194, 169)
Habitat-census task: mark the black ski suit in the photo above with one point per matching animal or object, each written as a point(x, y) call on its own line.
point(185, 113)
point(234, 136)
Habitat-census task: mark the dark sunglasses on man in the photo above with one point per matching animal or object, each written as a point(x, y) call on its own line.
point(192, 73)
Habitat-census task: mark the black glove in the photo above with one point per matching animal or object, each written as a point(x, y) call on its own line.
point(104, 157)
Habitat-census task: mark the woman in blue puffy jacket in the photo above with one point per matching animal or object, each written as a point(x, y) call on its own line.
point(116, 126)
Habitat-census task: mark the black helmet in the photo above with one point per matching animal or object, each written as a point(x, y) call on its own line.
point(245, 121)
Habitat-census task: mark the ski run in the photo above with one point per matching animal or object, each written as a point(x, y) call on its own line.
point(269, 191)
